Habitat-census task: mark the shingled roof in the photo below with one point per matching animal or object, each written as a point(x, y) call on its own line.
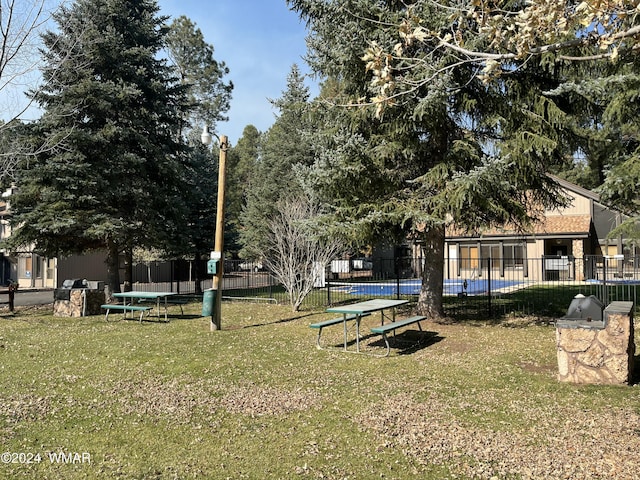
point(563, 224)
point(553, 224)
point(574, 225)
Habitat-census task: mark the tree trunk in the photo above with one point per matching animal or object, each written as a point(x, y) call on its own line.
point(113, 274)
point(198, 274)
point(128, 270)
point(430, 299)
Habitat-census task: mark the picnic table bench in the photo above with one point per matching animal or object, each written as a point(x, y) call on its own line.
point(391, 327)
point(360, 309)
point(124, 308)
point(170, 301)
point(134, 297)
point(333, 321)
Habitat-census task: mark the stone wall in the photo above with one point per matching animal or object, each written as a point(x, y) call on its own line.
point(597, 352)
point(74, 306)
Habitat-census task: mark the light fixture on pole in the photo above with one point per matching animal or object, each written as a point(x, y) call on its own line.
point(217, 258)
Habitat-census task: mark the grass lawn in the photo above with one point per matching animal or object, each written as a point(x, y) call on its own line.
point(257, 400)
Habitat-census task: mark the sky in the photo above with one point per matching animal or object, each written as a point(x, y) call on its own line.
point(259, 40)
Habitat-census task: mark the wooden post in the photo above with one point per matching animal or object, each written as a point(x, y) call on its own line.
point(12, 295)
point(216, 318)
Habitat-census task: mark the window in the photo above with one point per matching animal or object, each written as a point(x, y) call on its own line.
point(37, 273)
point(490, 255)
point(24, 267)
point(497, 256)
point(468, 257)
point(513, 256)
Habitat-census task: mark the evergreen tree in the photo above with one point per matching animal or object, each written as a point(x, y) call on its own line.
point(209, 95)
point(11, 150)
point(412, 158)
point(603, 112)
point(285, 145)
point(112, 186)
point(199, 186)
point(622, 121)
point(241, 163)
point(208, 100)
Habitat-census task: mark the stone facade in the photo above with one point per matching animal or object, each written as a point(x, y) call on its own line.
point(74, 307)
point(577, 246)
point(597, 352)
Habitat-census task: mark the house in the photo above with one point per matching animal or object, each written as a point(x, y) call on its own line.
point(568, 243)
point(26, 267)
point(32, 270)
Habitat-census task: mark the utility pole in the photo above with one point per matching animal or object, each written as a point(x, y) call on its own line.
point(218, 249)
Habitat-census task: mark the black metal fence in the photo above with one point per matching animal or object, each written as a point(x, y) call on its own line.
point(472, 287)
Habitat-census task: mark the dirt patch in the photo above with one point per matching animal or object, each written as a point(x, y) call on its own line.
point(531, 367)
point(457, 346)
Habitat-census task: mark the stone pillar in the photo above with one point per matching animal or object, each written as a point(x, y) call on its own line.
point(577, 250)
point(597, 352)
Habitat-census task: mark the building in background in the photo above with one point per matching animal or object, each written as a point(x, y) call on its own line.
point(571, 243)
point(28, 268)
point(579, 231)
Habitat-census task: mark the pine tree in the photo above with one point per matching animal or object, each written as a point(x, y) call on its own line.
point(603, 112)
point(404, 156)
point(284, 146)
point(241, 162)
point(115, 108)
point(208, 99)
point(622, 127)
point(209, 95)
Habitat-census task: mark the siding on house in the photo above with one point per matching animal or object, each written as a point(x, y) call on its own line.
point(581, 228)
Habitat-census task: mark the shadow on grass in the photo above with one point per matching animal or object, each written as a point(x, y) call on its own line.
point(409, 341)
point(405, 343)
point(282, 320)
point(186, 316)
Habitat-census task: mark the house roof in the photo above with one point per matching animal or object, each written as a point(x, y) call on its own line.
point(558, 224)
point(553, 224)
point(574, 225)
point(572, 187)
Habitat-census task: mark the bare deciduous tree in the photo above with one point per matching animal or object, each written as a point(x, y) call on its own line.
point(298, 252)
point(22, 22)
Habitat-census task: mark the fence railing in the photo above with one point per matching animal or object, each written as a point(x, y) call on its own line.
point(471, 287)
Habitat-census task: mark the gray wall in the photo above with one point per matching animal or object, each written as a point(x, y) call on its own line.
point(91, 266)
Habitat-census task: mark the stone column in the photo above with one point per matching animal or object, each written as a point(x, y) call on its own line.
point(577, 249)
point(597, 352)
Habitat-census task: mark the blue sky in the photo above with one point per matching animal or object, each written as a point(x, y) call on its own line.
point(259, 40)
